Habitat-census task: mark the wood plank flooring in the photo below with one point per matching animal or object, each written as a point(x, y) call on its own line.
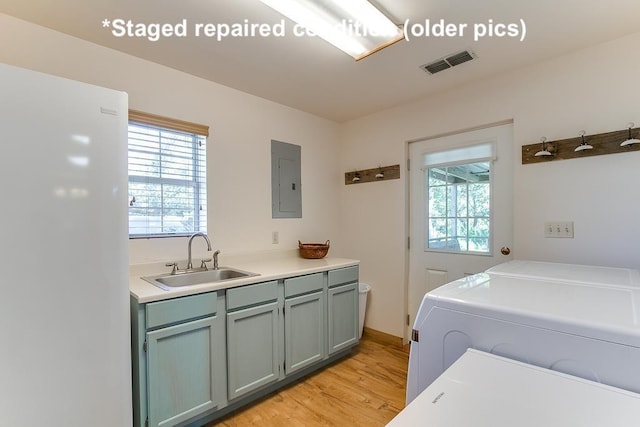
point(366, 388)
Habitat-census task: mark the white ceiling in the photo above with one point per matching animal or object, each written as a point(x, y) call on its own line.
point(313, 76)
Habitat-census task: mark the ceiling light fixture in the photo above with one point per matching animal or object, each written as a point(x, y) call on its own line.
point(630, 140)
point(355, 26)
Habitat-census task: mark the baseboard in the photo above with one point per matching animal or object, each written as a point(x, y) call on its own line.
point(382, 337)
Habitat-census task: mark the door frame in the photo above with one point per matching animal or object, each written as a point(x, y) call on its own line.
point(407, 213)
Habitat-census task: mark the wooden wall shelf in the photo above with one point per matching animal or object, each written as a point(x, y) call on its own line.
point(369, 175)
point(563, 149)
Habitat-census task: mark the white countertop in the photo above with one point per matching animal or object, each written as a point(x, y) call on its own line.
point(268, 266)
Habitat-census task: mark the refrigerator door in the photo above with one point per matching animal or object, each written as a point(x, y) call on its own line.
point(64, 309)
point(484, 390)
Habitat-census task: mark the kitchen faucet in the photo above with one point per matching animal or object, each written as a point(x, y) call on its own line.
point(193, 236)
point(215, 260)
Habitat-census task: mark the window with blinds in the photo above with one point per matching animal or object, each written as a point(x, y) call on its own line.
point(167, 176)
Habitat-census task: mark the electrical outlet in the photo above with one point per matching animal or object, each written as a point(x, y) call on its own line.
point(275, 238)
point(558, 229)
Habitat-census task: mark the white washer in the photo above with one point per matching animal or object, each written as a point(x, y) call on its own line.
point(596, 275)
point(484, 390)
point(580, 320)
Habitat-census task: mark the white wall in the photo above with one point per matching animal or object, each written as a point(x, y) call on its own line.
point(239, 157)
point(596, 89)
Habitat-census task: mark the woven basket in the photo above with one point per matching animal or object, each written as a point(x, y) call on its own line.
point(313, 250)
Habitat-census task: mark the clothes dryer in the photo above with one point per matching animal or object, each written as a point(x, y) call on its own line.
point(578, 324)
point(485, 390)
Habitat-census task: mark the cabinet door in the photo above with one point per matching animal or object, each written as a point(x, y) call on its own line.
point(180, 371)
point(252, 348)
point(304, 325)
point(343, 317)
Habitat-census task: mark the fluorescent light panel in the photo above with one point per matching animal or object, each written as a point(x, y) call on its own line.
point(353, 26)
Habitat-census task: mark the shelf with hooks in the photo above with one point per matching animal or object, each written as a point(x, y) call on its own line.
point(381, 173)
point(620, 141)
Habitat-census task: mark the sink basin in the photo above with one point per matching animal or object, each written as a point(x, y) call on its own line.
point(169, 281)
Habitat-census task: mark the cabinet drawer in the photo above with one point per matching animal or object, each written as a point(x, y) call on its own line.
point(343, 275)
point(181, 309)
point(245, 296)
point(303, 285)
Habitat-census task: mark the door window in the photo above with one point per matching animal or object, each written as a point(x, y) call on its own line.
point(459, 207)
point(458, 199)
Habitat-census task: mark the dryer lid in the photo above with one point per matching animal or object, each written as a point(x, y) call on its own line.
point(600, 311)
point(597, 275)
point(485, 390)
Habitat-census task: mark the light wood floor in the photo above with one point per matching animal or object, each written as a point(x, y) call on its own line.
point(366, 388)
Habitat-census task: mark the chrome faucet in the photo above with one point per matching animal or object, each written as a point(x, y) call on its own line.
point(215, 260)
point(193, 236)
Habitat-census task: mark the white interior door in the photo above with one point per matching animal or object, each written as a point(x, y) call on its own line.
point(452, 232)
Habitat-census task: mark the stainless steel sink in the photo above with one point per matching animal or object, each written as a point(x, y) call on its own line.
point(169, 281)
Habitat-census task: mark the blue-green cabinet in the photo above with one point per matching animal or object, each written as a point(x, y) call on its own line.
point(198, 357)
point(181, 371)
point(252, 338)
point(304, 321)
point(342, 309)
point(179, 359)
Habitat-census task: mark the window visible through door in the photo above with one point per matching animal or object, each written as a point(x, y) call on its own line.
point(458, 194)
point(430, 268)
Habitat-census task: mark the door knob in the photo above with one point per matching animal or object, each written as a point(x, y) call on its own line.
point(505, 250)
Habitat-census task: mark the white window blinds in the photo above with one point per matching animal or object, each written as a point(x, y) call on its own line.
point(167, 177)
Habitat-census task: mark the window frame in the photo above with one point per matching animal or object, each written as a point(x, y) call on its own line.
point(428, 217)
point(478, 151)
point(198, 133)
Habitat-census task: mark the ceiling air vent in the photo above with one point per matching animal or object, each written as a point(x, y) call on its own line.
point(448, 62)
point(436, 67)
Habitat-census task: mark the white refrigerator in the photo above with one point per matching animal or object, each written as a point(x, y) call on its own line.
point(65, 357)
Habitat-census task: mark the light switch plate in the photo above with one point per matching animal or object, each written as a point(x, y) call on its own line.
point(558, 229)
